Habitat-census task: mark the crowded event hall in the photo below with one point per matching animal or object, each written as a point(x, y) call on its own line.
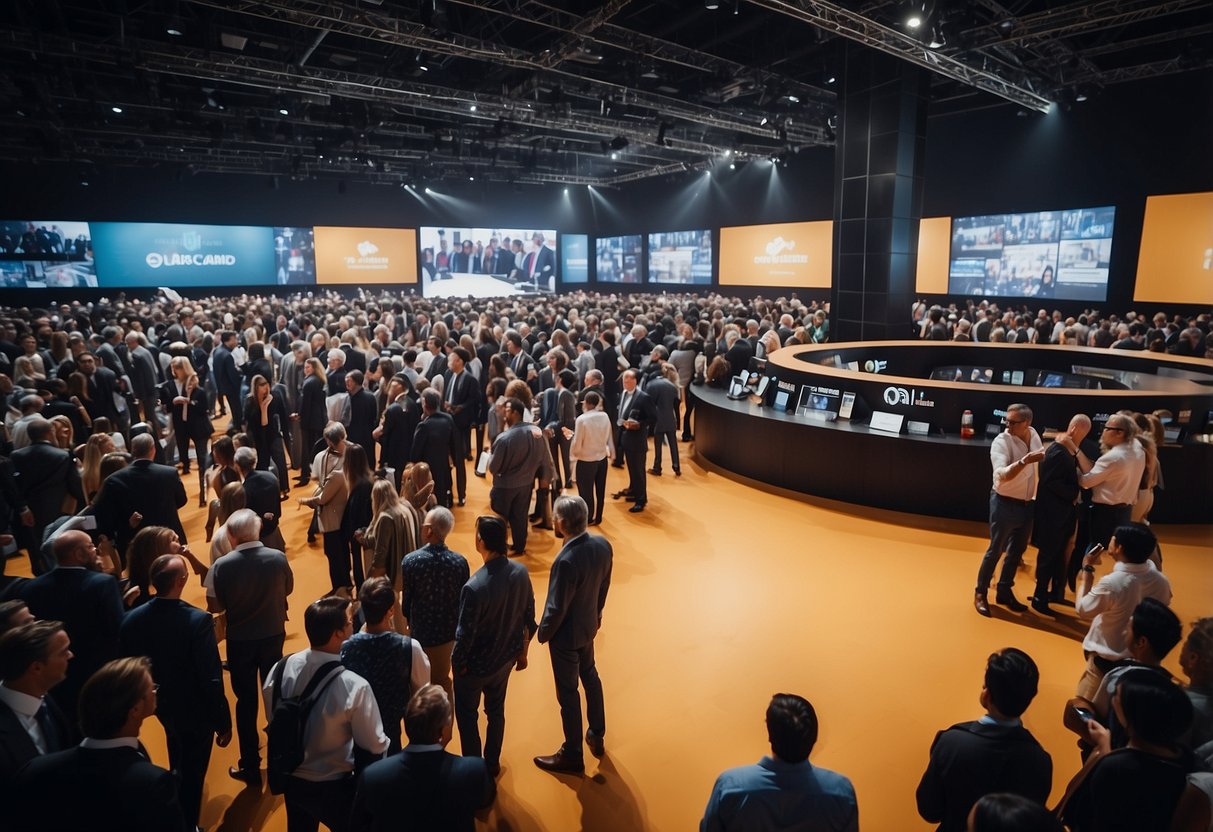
point(739, 416)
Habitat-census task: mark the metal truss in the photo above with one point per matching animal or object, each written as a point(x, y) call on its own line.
point(1076, 18)
point(646, 46)
point(1171, 66)
point(854, 26)
point(380, 28)
point(581, 28)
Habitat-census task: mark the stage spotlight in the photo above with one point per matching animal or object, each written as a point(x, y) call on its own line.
point(618, 143)
point(937, 38)
point(711, 4)
point(116, 109)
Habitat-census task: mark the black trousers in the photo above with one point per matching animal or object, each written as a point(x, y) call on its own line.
point(512, 504)
point(236, 408)
point(635, 452)
point(337, 552)
point(310, 804)
point(591, 485)
point(310, 438)
point(461, 466)
point(569, 665)
point(246, 661)
point(1105, 519)
point(559, 448)
point(671, 437)
point(689, 399)
point(1052, 538)
point(468, 691)
point(189, 754)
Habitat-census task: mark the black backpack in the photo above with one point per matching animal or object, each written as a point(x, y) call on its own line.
point(287, 722)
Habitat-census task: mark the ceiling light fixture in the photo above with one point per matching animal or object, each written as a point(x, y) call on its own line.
point(713, 5)
point(283, 111)
point(116, 109)
point(472, 108)
point(175, 31)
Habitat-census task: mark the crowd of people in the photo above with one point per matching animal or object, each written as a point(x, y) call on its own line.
point(369, 411)
point(985, 321)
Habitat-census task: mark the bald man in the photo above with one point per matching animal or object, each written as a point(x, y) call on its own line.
point(1056, 513)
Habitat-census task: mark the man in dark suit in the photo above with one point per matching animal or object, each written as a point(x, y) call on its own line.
point(102, 387)
point(227, 377)
point(143, 378)
point(437, 365)
point(607, 363)
point(636, 417)
point(33, 659)
point(577, 592)
point(364, 415)
point(460, 396)
point(664, 393)
point(992, 754)
point(262, 495)
point(434, 788)
point(108, 352)
point(87, 601)
point(539, 265)
point(557, 411)
point(146, 488)
point(435, 443)
point(106, 782)
point(46, 476)
point(518, 358)
point(395, 434)
point(1056, 515)
point(191, 705)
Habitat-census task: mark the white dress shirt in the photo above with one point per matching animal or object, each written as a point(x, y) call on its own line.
point(592, 437)
point(1116, 475)
point(1112, 601)
point(106, 745)
point(25, 708)
point(1005, 452)
point(346, 713)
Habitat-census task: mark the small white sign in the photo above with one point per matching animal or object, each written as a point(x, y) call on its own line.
point(890, 422)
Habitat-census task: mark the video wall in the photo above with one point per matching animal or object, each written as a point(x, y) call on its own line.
point(360, 256)
point(619, 259)
point(41, 254)
point(486, 262)
point(681, 257)
point(793, 254)
point(574, 258)
point(1047, 254)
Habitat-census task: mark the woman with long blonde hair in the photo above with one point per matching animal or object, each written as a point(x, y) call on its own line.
point(184, 400)
point(395, 530)
point(97, 446)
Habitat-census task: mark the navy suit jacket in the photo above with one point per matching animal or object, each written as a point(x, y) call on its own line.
point(422, 790)
point(462, 395)
point(227, 377)
point(640, 408)
point(665, 401)
point(154, 490)
point(364, 418)
point(262, 495)
point(90, 606)
point(110, 790)
point(577, 592)
point(16, 746)
point(180, 641)
point(45, 476)
point(399, 423)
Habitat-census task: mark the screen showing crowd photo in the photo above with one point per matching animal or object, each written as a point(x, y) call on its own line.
point(486, 262)
point(681, 257)
point(574, 258)
point(163, 254)
point(294, 256)
point(39, 254)
point(1046, 254)
point(619, 259)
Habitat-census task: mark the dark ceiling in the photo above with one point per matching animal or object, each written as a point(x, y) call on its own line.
point(524, 91)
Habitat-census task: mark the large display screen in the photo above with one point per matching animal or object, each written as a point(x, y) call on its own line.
point(160, 254)
point(619, 259)
point(1046, 254)
point(366, 255)
point(1175, 264)
point(40, 254)
point(793, 254)
point(294, 256)
point(487, 262)
point(574, 258)
point(681, 257)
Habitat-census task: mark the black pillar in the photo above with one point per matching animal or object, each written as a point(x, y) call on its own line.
point(878, 167)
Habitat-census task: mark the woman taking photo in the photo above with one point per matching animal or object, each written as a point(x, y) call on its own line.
point(266, 421)
point(312, 414)
point(185, 402)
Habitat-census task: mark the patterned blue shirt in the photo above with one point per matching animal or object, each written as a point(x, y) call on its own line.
point(775, 795)
point(431, 579)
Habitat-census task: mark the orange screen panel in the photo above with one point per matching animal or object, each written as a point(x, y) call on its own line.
point(934, 246)
point(366, 255)
point(794, 254)
point(1175, 263)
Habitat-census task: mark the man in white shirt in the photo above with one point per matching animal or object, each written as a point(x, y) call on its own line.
point(1114, 478)
point(1013, 456)
point(1110, 603)
point(321, 789)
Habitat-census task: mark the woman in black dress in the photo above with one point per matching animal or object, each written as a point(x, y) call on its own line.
point(257, 364)
point(358, 513)
point(185, 400)
point(312, 415)
point(266, 421)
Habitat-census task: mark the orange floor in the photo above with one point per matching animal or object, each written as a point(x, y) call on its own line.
point(725, 592)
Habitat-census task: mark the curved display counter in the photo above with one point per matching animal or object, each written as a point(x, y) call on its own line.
point(935, 471)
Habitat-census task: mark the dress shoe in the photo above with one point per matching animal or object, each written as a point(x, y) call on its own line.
point(462, 501)
point(616, 464)
point(597, 521)
point(597, 748)
point(636, 509)
point(245, 775)
point(678, 472)
point(185, 472)
point(656, 472)
point(302, 481)
point(561, 763)
point(686, 437)
point(535, 518)
point(559, 533)
point(1007, 599)
point(544, 526)
point(981, 604)
point(1042, 607)
point(517, 553)
point(494, 769)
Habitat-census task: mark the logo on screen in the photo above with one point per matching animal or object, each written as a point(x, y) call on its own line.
point(896, 395)
point(776, 253)
point(154, 260)
point(366, 248)
point(190, 241)
point(778, 246)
